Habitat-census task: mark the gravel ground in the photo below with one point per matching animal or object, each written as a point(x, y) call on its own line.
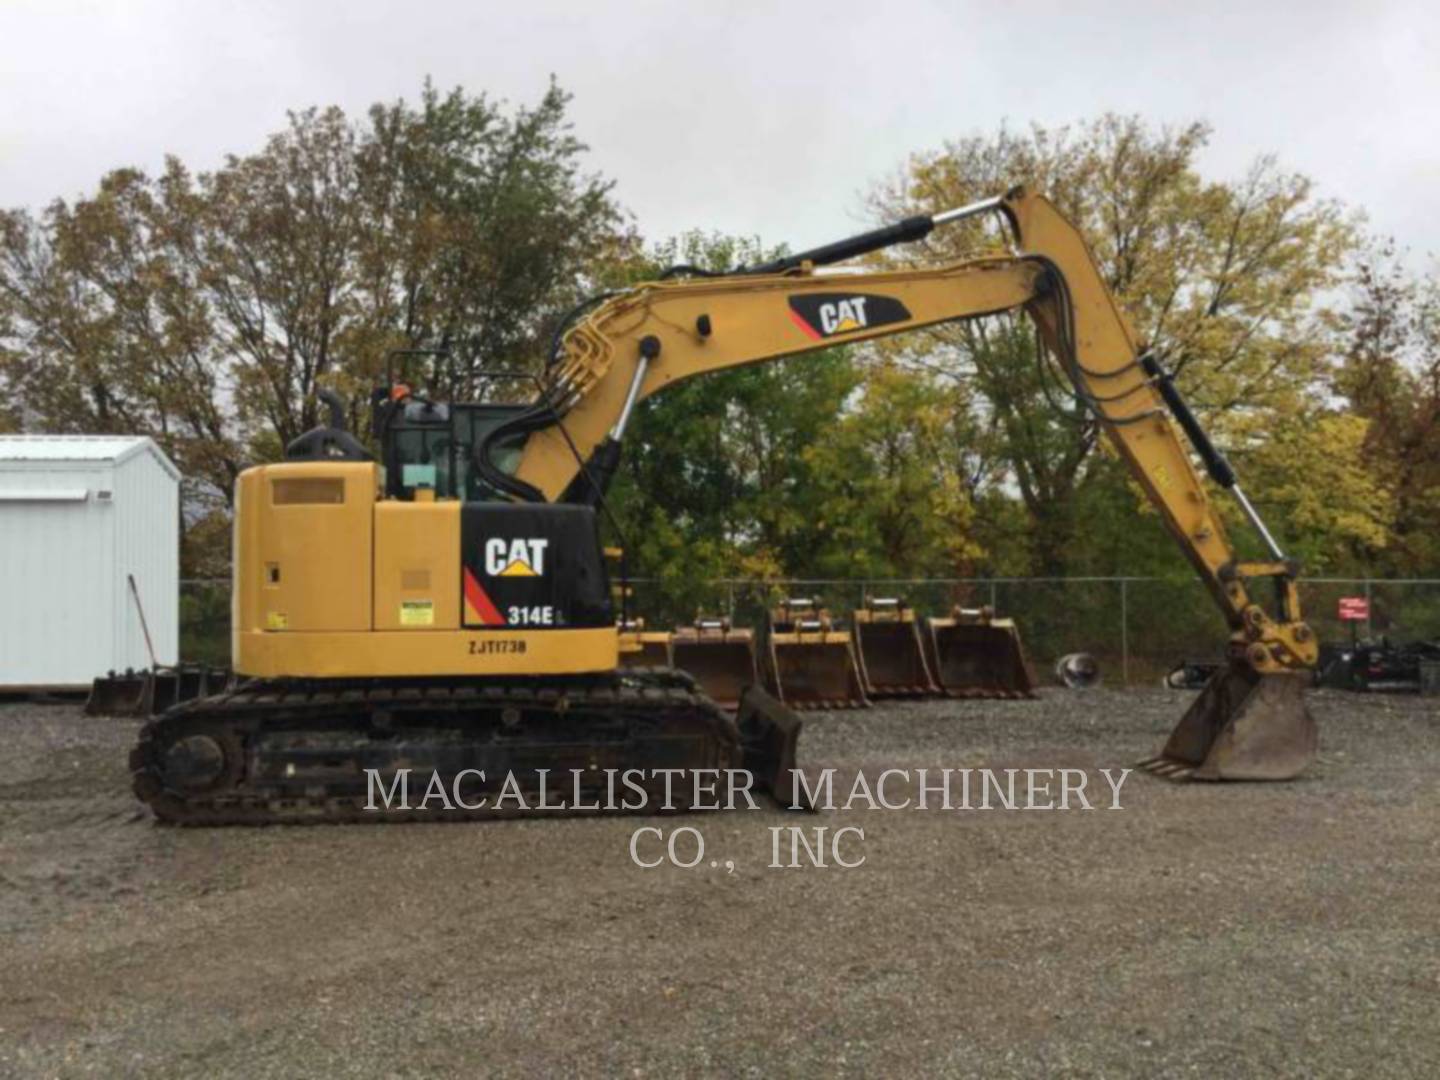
point(1284, 929)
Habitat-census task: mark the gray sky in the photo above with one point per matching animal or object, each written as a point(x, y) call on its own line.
point(768, 118)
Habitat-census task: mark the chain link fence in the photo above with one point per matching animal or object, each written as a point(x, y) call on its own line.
point(1137, 627)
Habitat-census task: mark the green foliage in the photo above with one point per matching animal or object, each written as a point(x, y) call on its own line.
point(205, 310)
point(1224, 280)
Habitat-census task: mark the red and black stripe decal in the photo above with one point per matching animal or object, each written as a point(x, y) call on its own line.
point(478, 600)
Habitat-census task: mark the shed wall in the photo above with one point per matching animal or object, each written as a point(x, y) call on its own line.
point(66, 614)
point(147, 545)
point(55, 603)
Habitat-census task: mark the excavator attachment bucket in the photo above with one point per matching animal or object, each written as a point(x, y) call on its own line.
point(812, 663)
point(153, 690)
point(974, 654)
point(721, 658)
point(643, 648)
point(890, 651)
point(127, 693)
point(1245, 725)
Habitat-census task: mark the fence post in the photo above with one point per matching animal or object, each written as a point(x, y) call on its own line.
point(1125, 631)
point(730, 601)
point(993, 608)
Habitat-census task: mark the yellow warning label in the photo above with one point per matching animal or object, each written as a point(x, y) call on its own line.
point(1162, 477)
point(276, 620)
point(417, 613)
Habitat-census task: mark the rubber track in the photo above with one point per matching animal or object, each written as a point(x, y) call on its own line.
point(648, 696)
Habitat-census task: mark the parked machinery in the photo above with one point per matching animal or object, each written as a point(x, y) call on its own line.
point(890, 651)
point(975, 654)
point(447, 604)
point(720, 657)
point(811, 661)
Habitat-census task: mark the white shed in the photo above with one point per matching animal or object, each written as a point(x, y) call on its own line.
point(79, 515)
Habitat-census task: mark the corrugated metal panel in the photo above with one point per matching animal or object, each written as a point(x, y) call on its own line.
point(114, 448)
point(147, 545)
point(66, 614)
point(55, 618)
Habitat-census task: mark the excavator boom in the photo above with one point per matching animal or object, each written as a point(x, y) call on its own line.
point(650, 338)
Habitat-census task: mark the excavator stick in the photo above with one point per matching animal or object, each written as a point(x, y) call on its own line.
point(721, 658)
point(1245, 725)
point(975, 655)
point(811, 662)
point(891, 653)
point(643, 648)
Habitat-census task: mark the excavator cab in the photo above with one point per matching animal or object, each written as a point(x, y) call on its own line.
point(891, 653)
point(812, 662)
point(976, 655)
point(720, 657)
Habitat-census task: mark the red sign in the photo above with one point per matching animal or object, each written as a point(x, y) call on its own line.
point(1354, 608)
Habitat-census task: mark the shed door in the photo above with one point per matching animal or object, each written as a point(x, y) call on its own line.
point(55, 623)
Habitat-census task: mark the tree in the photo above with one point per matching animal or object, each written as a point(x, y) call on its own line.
point(715, 482)
point(1223, 280)
point(1389, 373)
point(205, 310)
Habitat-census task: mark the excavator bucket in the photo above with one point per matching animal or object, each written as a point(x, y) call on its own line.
point(643, 648)
point(890, 651)
point(974, 654)
point(151, 691)
point(1245, 725)
point(811, 662)
point(721, 658)
point(127, 693)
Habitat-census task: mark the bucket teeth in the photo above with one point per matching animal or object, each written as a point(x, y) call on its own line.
point(1169, 768)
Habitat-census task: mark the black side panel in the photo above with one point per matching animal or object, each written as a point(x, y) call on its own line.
point(532, 566)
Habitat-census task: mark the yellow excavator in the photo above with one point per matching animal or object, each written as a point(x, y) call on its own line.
point(446, 608)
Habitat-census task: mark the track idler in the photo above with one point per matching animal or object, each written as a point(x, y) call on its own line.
point(1245, 725)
